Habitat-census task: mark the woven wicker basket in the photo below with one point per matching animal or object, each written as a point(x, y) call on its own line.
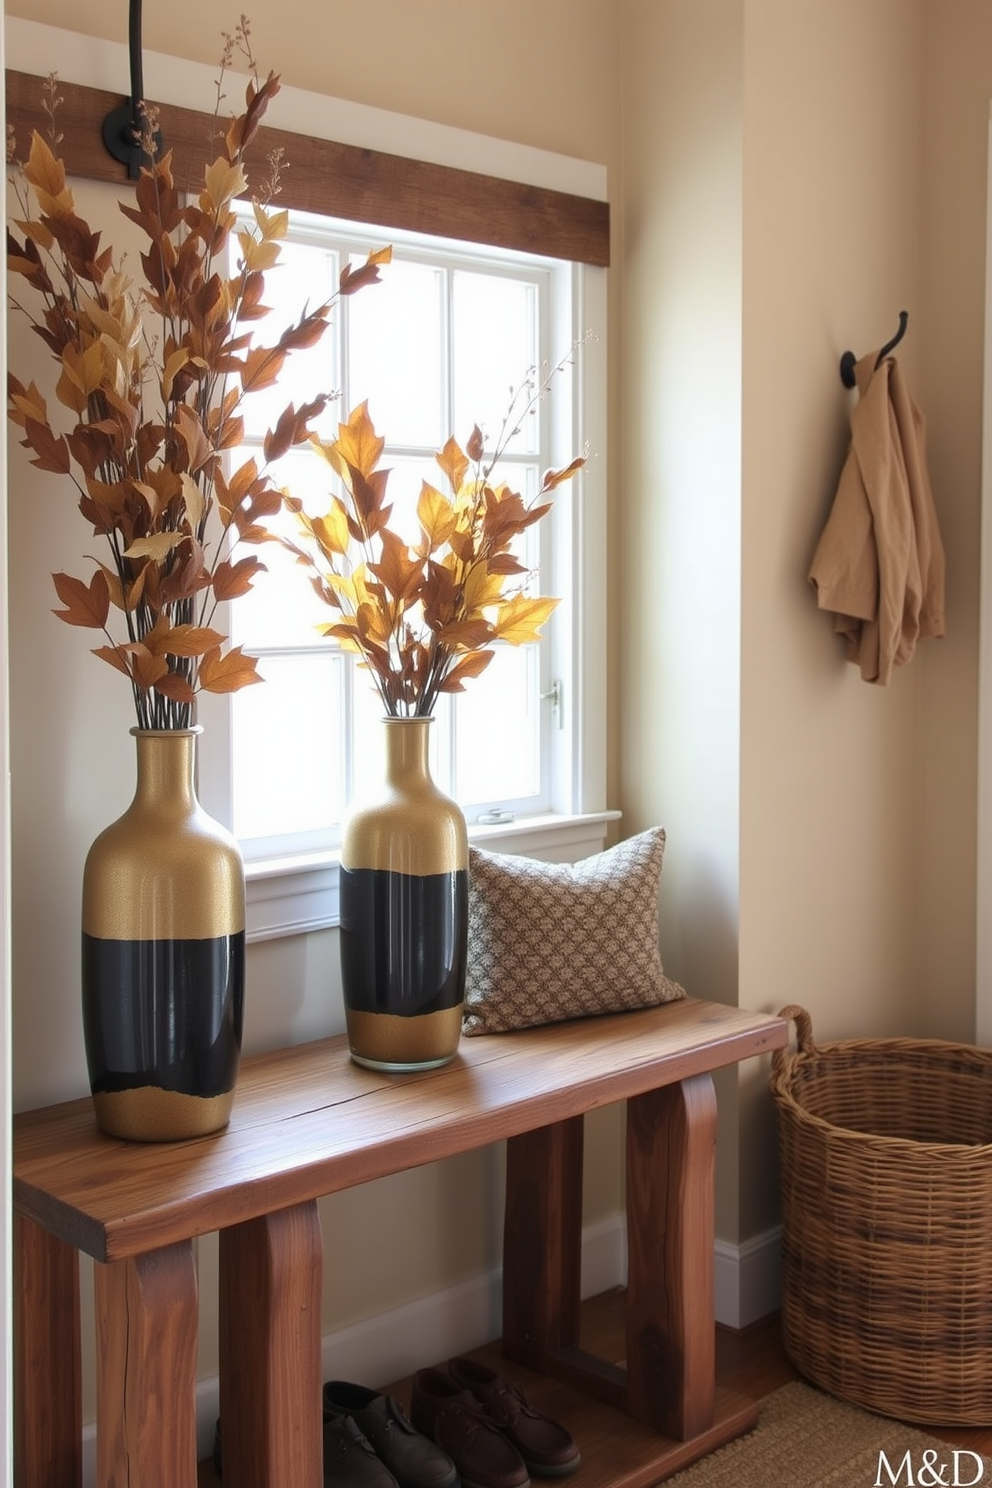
point(887, 1214)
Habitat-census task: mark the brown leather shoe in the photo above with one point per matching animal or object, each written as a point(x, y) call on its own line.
point(454, 1419)
point(413, 1460)
point(349, 1458)
point(547, 1448)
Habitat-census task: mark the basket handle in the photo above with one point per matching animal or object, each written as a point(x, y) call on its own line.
point(804, 1036)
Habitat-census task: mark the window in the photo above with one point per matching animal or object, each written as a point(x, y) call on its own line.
point(437, 346)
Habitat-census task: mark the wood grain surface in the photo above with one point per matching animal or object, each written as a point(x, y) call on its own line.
point(307, 1122)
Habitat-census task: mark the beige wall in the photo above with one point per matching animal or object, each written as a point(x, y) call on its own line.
point(843, 146)
point(785, 178)
point(677, 508)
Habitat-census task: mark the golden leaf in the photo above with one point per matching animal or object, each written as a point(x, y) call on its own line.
point(173, 365)
point(38, 232)
point(436, 515)
point(520, 619)
point(46, 176)
point(257, 254)
point(330, 531)
point(157, 547)
point(193, 500)
point(222, 182)
point(357, 442)
point(271, 225)
point(453, 462)
point(482, 588)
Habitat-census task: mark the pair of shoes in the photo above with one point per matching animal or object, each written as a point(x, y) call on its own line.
point(487, 1425)
point(547, 1447)
point(405, 1457)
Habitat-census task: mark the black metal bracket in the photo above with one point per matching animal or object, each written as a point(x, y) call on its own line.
point(848, 361)
point(124, 127)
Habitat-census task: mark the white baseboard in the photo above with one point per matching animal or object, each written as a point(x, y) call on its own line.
point(748, 1279)
point(432, 1329)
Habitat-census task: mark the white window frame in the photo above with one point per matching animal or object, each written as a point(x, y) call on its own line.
point(552, 283)
point(294, 893)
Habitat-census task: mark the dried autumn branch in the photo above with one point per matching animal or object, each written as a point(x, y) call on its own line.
point(152, 380)
point(425, 618)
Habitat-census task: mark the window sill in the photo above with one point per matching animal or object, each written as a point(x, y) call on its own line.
point(295, 895)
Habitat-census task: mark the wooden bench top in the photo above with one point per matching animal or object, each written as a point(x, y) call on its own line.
point(307, 1121)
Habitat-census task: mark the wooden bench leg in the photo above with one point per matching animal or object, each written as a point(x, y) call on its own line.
point(48, 1427)
point(671, 1142)
point(542, 1237)
point(146, 1318)
point(270, 1361)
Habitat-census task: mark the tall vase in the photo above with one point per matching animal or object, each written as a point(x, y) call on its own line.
point(163, 955)
point(404, 913)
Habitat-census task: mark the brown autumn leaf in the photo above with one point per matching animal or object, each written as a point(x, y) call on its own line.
point(87, 605)
point(232, 579)
point(51, 452)
point(351, 280)
point(470, 664)
point(228, 673)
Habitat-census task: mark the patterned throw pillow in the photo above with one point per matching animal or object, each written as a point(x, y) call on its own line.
point(548, 941)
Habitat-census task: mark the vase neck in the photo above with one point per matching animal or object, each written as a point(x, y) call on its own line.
point(166, 761)
point(407, 757)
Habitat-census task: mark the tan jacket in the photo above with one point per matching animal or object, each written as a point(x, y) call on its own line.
point(879, 565)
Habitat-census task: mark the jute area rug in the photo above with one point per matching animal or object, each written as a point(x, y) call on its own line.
point(806, 1439)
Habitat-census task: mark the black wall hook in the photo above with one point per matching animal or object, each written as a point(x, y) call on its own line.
point(123, 127)
point(848, 361)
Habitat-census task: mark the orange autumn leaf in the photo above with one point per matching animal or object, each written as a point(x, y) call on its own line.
point(85, 604)
point(228, 673)
point(472, 664)
point(232, 579)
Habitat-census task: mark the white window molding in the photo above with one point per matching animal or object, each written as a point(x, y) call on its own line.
point(298, 894)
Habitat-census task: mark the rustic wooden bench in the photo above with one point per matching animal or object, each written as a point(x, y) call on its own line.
point(308, 1122)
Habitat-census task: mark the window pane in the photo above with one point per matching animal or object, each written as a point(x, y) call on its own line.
point(289, 762)
point(395, 353)
point(281, 608)
point(498, 730)
point(406, 476)
point(304, 278)
point(495, 347)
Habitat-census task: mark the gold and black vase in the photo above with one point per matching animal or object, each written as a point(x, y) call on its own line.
point(163, 955)
point(404, 913)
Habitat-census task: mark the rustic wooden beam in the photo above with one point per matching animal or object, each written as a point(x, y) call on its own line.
point(330, 179)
